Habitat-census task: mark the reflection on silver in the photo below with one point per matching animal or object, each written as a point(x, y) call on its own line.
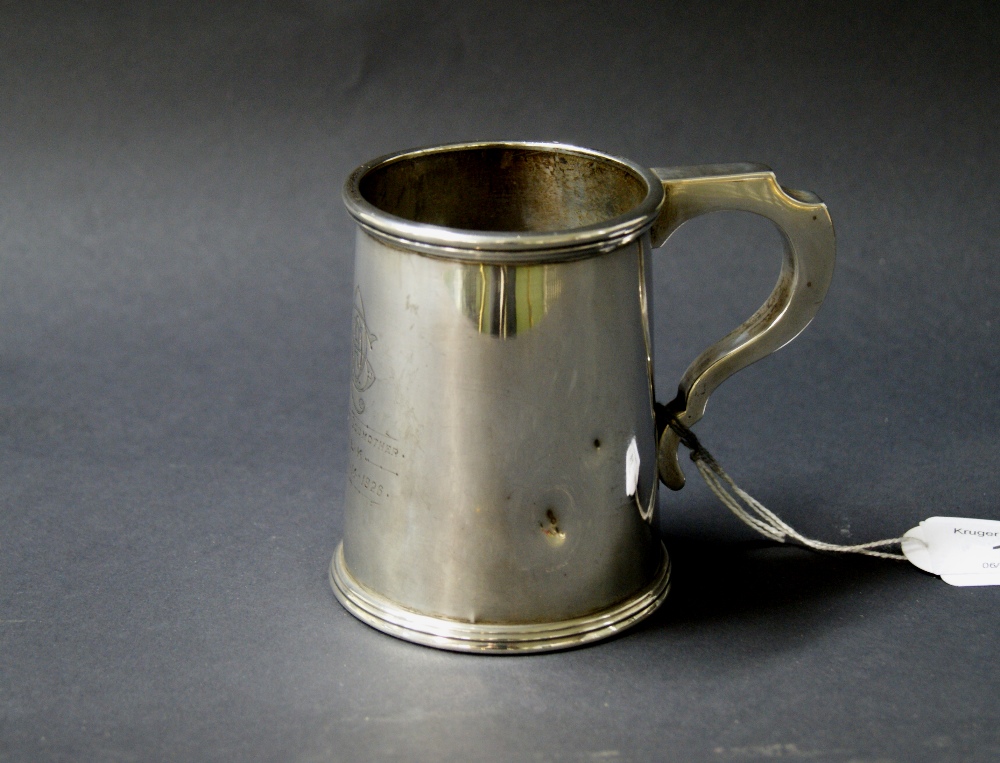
point(504, 300)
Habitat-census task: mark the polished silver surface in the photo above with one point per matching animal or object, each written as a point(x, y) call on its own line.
point(497, 638)
point(503, 440)
point(806, 271)
point(491, 414)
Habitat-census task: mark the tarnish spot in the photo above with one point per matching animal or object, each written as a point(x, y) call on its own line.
point(550, 529)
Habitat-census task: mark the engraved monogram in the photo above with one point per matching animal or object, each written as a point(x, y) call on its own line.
point(363, 375)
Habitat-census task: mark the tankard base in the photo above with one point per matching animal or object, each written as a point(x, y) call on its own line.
point(491, 638)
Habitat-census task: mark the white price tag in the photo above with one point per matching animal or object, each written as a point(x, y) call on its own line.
point(964, 552)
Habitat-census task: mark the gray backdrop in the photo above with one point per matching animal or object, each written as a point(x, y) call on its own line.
point(175, 297)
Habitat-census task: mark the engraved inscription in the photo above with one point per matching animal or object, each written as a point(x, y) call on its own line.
point(375, 456)
point(375, 461)
point(363, 375)
point(368, 487)
point(381, 443)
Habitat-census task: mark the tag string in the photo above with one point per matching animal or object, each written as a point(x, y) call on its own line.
point(752, 512)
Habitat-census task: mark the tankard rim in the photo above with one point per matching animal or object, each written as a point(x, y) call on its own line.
point(506, 245)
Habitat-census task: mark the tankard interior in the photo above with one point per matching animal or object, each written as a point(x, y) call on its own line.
point(504, 188)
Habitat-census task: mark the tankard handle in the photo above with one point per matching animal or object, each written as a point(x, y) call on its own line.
point(810, 250)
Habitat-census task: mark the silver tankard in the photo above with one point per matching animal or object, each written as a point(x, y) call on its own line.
point(505, 443)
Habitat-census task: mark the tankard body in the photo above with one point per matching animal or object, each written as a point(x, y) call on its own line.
point(502, 424)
